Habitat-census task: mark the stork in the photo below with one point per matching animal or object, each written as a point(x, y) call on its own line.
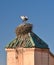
point(24, 18)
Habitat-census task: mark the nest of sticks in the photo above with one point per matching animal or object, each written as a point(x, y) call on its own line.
point(23, 29)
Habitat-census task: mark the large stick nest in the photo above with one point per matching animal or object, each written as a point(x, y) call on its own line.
point(23, 29)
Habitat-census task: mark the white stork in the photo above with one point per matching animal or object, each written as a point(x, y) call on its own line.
point(24, 18)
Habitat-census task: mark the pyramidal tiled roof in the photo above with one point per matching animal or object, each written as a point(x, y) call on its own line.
point(32, 40)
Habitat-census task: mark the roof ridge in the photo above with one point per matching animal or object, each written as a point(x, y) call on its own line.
point(31, 39)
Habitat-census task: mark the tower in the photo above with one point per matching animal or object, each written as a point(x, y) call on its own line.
point(27, 48)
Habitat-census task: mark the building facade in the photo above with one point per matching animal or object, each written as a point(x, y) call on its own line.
point(28, 49)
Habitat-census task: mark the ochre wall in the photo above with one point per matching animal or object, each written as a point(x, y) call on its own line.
point(51, 58)
point(11, 57)
point(29, 56)
point(25, 56)
point(41, 56)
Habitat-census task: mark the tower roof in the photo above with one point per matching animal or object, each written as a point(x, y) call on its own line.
point(26, 38)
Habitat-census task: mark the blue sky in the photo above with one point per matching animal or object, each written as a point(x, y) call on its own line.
point(40, 13)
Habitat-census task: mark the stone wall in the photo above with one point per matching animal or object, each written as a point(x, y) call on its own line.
point(29, 56)
point(11, 57)
point(51, 58)
point(25, 56)
point(41, 57)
